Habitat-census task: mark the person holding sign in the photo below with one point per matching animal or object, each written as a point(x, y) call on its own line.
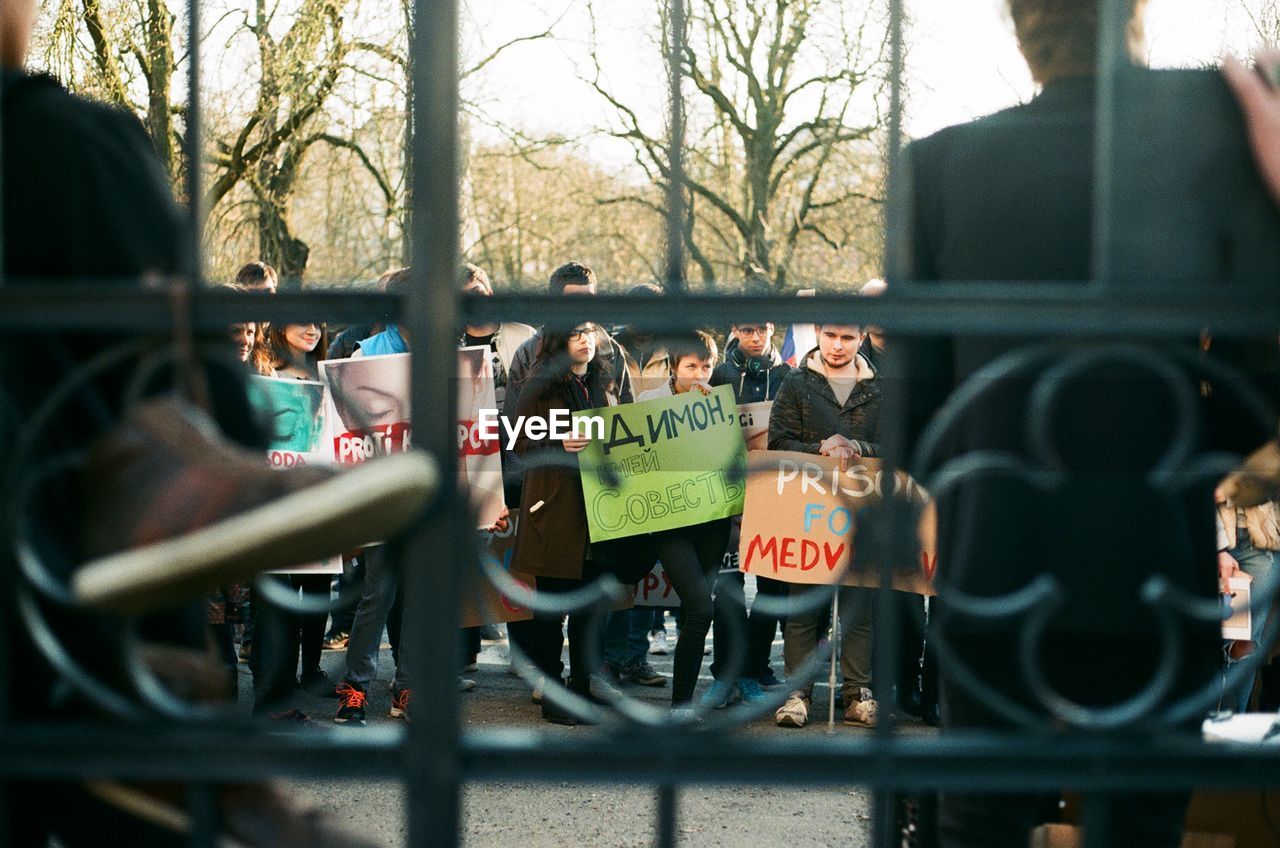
point(755, 369)
point(691, 556)
point(290, 352)
point(830, 405)
point(552, 538)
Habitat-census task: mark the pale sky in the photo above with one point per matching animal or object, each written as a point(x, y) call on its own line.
point(962, 61)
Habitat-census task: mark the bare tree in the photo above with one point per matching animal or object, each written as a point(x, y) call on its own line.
point(782, 89)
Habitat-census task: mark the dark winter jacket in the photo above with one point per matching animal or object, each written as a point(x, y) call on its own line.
point(805, 411)
point(552, 537)
point(752, 382)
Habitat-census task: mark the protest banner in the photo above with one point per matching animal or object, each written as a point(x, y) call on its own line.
point(801, 517)
point(663, 464)
point(655, 590)
point(486, 605)
point(754, 418)
point(370, 407)
point(479, 459)
point(293, 413)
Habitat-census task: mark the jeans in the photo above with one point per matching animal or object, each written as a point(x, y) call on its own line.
point(758, 627)
point(800, 637)
point(352, 576)
point(626, 637)
point(1258, 565)
point(381, 585)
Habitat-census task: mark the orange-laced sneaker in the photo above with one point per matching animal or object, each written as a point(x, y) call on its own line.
point(400, 703)
point(352, 703)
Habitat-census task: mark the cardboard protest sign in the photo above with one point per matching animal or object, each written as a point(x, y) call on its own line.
point(487, 605)
point(293, 412)
point(479, 459)
point(754, 418)
point(1236, 591)
point(655, 590)
point(370, 407)
point(671, 459)
point(801, 518)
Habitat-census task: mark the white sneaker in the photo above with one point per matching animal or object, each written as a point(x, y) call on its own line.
point(466, 684)
point(658, 643)
point(863, 711)
point(795, 712)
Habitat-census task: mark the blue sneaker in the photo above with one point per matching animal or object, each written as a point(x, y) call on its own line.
point(769, 680)
point(720, 695)
point(751, 691)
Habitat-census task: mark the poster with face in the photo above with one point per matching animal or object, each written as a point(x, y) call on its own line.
point(369, 398)
point(370, 403)
point(479, 459)
point(294, 414)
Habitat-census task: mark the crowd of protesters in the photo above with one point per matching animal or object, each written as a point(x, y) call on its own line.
point(828, 403)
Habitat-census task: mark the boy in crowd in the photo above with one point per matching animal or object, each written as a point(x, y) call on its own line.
point(830, 405)
point(258, 277)
point(691, 556)
point(755, 369)
point(648, 365)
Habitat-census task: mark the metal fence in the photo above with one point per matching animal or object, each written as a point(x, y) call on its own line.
point(435, 759)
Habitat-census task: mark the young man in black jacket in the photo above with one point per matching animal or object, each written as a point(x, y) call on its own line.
point(752, 365)
point(830, 405)
point(1009, 197)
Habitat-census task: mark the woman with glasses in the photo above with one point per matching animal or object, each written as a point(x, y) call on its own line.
point(552, 540)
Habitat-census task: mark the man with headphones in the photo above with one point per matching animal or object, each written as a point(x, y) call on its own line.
point(753, 366)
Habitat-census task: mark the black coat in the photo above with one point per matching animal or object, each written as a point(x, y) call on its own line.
point(806, 412)
point(1009, 197)
point(553, 539)
point(752, 382)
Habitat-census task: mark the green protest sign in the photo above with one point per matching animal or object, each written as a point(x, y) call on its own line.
point(671, 462)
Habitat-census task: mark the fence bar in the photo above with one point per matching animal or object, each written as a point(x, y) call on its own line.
point(971, 760)
point(202, 807)
point(986, 309)
point(666, 833)
point(1113, 16)
point(884, 819)
point(192, 144)
point(1096, 815)
point(677, 212)
point(433, 779)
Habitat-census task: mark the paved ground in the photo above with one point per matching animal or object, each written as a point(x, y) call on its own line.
point(539, 815)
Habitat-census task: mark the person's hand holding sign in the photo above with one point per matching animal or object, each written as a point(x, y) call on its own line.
point(839, 448)
point(573, 445)
point(1227, 566)
point(504, 521)
point(701, 387)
